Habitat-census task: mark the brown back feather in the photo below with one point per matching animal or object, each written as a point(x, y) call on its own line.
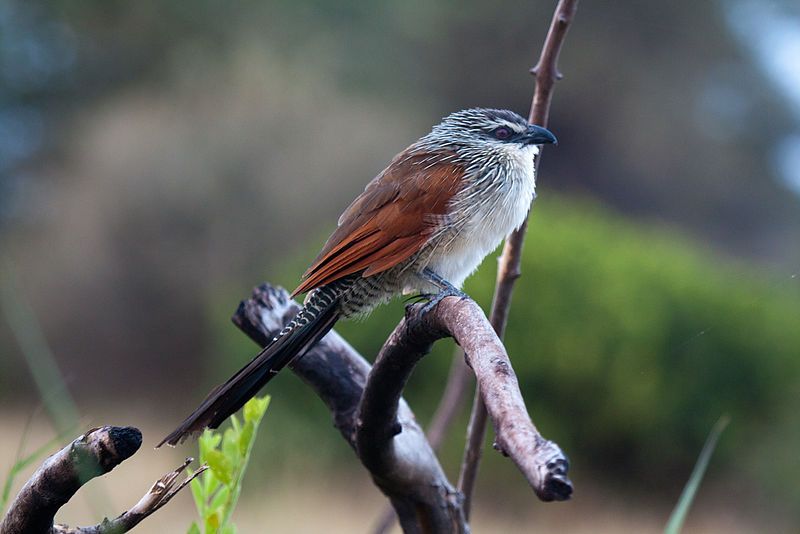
point(390, 221)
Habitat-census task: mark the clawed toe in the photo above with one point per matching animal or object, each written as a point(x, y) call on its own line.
point(416, 299)
point(446, 290)
point(431, 304)
point(437, 298)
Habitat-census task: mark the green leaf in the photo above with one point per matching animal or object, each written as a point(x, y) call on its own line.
point(220, 465)
point(235, 425)
point(208, 441)
point(194, 529)
point(681, 510)
point(213, 522)
point(210, 483)
point(246, 438)
point(226, 454)
point(198, 494)
point(221, 498)
point(255, 409)
point(230, 448)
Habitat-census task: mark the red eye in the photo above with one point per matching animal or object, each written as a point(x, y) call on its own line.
point(502, 133)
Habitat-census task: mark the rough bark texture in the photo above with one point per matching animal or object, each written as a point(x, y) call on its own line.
point(541, 461)
point(371, 415)
point(93, 454)
point(403, 466)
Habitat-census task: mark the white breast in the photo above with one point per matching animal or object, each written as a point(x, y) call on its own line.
point(504, 206)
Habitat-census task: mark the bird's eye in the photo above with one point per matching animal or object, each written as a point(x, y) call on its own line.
point(502, 133)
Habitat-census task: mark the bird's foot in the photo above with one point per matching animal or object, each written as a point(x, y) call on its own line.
point(434, 300)
point(413, 300)
point(446, 289)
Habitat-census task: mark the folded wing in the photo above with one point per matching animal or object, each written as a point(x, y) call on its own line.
point(390, 221)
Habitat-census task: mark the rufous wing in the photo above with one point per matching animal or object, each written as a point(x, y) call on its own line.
point(390, 221)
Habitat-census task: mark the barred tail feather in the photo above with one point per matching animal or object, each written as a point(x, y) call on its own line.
point(309, 326)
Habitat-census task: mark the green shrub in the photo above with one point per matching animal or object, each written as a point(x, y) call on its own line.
point(631, 342)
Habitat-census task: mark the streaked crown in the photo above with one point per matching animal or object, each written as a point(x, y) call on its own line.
point(478, 128)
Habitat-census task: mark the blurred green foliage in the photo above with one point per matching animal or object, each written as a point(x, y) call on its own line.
point(629, 343)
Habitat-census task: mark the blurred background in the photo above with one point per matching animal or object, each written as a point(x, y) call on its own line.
point(158, 159)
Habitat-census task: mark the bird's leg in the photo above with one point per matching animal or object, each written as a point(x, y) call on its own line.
point(446, 289)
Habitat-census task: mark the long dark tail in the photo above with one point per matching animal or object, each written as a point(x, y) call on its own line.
point(316, 318)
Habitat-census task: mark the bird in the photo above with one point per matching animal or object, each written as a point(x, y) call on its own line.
point(421, 226)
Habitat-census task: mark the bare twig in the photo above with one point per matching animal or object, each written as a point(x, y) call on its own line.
point(546, 73)
point(455, 392)
point(93, 454)
point(158, 495)
point(407, 471)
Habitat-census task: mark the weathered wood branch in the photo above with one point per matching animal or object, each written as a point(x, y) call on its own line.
point(452, 401)
point(371, 415)
point(540, 461)
point(408, 472)
point(546, 73)
point(92, 454)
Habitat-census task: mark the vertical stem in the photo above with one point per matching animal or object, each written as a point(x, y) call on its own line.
point(452, 401)
point(546, 74)
point(476, 431)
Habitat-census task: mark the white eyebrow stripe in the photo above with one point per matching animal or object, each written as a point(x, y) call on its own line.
point(512, 125)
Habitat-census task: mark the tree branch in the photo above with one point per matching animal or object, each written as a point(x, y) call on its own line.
point(455, 392)
point(541, 461)
point(546, 73)
point(408, 471)
point(459, 379)
point(93, 454)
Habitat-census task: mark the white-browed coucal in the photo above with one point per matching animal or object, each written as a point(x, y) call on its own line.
point(422, 225)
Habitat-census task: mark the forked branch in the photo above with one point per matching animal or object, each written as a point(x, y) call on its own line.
point(407, 472)
point(369, 412)
point(540, 461)
point(92, 454)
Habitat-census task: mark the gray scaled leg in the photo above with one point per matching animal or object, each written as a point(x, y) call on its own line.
point(446, 289)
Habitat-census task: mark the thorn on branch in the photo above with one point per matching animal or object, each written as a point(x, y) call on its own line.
point(555, 74)
point(496, 446)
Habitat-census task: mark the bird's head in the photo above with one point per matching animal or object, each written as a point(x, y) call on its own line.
point(487, 129)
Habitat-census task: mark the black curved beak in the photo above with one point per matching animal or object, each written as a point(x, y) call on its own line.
point(536, 135)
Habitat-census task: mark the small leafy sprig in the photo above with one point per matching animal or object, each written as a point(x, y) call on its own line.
point(226, 453)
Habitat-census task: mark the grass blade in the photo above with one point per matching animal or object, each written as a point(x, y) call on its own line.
point(681, 510)
point(41, 361)
point(22, 463)
point(37, 353)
